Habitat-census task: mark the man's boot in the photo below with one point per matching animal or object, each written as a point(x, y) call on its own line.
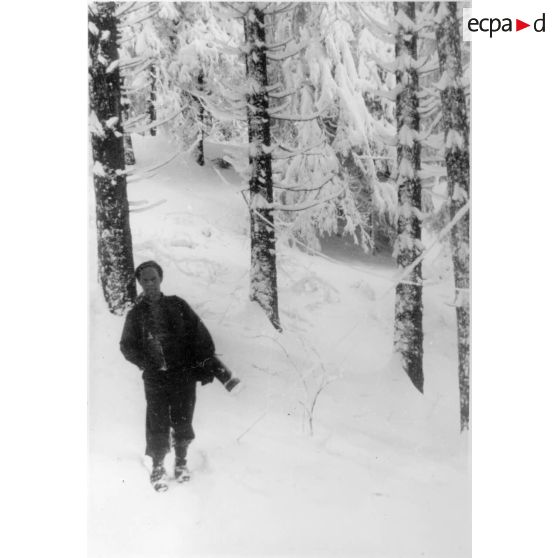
point(181, 472)
point(158, 476)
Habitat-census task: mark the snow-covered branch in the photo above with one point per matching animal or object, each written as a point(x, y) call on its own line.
point(147, 207)
point(295, 189)
point(429, 61)
point(133, 72)
point(303, 206)
point(128, 9)
point(458, 216)
point(131, 63)
point(287, 55)
point(226, 48)
point(430, 171)
point(131, 91)
point(389, 94)
point(379, 30)
point(432, 104)
point(295, 151)
point(296, 118)
point(226, 114)
point(306, 153)
point(435, 141)
point(145, 172)
point(384, 135)
point(384, 64)
point(288, 7)
point(156, 123)
point(278, 46)
point(432, 66)
point(276, 110)
point(134, 120)
point(283, 94)
point(309, 248)
point(147, 16)
point(234, 8)
point(427, 133)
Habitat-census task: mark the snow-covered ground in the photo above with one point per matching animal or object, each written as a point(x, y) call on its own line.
point(383, 472)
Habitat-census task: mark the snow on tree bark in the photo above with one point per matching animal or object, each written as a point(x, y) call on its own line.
point(151, 111)
point(200, 158)
point(129, 156)
point(263, 271)
point(114, 238)
point(408, 294)
point(456, 131)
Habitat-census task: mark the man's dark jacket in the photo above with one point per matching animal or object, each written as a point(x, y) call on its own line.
point(187, 345)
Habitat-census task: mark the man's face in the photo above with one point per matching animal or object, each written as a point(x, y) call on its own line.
point(150, 282)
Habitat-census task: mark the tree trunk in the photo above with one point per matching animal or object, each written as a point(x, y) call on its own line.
point(263, 272)
point(130, 158)
point(114, 239)
point(151, 111)
point(408, 294)
point(200, 158)
point(456, 129)
point(129, 155)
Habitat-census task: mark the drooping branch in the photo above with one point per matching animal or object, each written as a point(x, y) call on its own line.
point(141, 19)
point(283, 94)
point(280, 186)
point(377, 29)
point(296, 117)
point(287, 55)
point(289, 6)
point(128, 9)
point(156, 123)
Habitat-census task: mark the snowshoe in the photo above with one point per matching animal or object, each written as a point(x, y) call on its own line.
point(159, 479)
point(181, 471)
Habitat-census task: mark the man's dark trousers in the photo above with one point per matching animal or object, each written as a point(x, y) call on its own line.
point(171, 398)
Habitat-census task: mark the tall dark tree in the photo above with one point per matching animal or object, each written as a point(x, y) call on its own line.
point(456, 132)
point(200, 157)
point(408, 294)
point(263, 272)
point(151, 110)
point(114, 239)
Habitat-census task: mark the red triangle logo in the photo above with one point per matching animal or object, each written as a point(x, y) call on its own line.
point(519, 25)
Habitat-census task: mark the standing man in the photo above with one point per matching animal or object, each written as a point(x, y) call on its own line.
point(165, 338)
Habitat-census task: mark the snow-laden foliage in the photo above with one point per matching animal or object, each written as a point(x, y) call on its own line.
point(339, 156)
point(183, 48)
point(332, 95)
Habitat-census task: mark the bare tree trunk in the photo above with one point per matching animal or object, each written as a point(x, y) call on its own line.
point(408, 294)
point(456, 128)
point(114, 239)
point(263, 272)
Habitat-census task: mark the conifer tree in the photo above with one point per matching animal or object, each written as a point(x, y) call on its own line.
point(330, 167)
point(114, 238)
point(456, 132)
point(408, 295)
point(200, 154)
point(151, 109)
point(263, 272)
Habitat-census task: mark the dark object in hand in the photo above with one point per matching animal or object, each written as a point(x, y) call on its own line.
point(213, 367)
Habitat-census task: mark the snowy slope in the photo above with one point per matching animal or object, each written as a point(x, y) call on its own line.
point(385, 473)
